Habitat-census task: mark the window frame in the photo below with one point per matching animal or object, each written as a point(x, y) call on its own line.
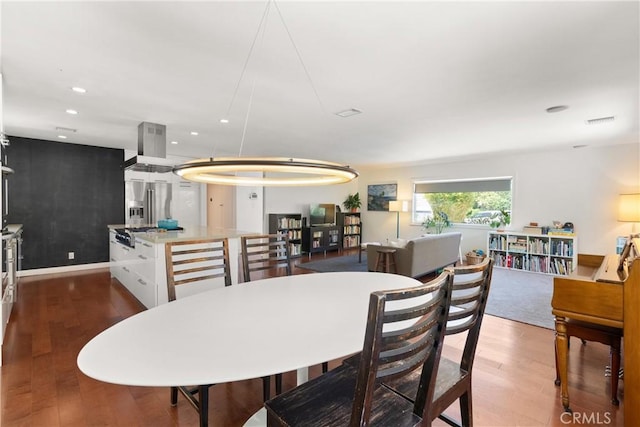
point(480, 184)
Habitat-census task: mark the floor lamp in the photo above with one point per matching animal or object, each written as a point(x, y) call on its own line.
point(398, 206)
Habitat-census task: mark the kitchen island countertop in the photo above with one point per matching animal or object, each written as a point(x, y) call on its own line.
point(189, 233)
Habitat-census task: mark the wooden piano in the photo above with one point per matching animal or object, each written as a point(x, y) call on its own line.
point(600, 293)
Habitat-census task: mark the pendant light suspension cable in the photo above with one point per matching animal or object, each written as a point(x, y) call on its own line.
point(287, 171)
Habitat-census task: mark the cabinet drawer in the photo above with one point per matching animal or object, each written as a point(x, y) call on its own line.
point(145, 267)
point(148, 250)
point(123, 273)
point(145, 290)
point(7, 305)
point(120, 252)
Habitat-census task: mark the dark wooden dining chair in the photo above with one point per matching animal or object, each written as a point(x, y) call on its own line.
point(263, 256)
point(404, 332)
point(266, 253)
point(471, 286)
point(270, 254)
point(201, 264)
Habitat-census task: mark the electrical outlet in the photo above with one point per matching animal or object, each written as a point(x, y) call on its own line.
point(72, 255)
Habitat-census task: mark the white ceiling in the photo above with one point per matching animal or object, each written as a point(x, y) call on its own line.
point(435, 80)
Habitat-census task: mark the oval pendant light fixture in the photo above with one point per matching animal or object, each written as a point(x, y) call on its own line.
point(284, 171)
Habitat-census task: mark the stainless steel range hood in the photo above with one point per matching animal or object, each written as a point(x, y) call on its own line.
point(152, 150)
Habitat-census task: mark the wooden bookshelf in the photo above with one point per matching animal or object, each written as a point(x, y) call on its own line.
point(350, 226)
point(291, 225)
point(538, 253)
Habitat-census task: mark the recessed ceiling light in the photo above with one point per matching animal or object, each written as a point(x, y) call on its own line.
point(79, 89)
point(224, 120)
point(557, 108)
point(600, 120)
point(348, 113)
point(174, 142)
point(60, 128)
point(72, 112)
point(194, 133)
point(62, 136)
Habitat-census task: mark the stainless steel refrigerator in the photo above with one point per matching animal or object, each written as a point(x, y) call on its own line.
point(147, 202)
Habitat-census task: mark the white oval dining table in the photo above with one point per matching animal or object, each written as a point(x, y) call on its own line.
point(244, 331)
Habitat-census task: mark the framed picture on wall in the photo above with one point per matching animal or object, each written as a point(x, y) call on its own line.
point(379, 196)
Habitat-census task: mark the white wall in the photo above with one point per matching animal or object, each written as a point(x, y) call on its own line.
point(250, 209)
point(569, 185)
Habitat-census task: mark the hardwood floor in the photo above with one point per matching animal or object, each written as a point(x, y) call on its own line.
point(513, 380)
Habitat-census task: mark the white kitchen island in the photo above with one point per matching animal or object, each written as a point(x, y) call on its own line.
point(141, 269)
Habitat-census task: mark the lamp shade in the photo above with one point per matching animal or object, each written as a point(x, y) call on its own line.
point(398, 206)
point(629, 208)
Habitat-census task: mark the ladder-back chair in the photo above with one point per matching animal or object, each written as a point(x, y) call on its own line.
point(404, 332)
point(471, 286)
point(198, 265)
point(266, 255)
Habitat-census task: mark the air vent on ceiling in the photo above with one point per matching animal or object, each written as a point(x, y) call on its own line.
point(601, 120)
point(60, 128)
point(348, 113)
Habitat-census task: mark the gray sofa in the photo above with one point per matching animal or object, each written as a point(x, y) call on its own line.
point(420, 255)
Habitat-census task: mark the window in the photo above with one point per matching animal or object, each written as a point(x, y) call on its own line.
point(473, 201)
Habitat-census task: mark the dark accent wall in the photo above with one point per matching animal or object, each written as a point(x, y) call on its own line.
point(65, 195)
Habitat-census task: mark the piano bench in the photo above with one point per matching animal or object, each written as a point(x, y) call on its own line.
point(599, 333)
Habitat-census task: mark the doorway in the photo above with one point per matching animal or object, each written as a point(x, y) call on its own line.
point(221, 206)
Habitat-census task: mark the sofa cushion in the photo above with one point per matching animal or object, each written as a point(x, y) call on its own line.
point(398, 243)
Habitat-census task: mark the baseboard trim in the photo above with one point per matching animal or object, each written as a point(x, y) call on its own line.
point(62, 269)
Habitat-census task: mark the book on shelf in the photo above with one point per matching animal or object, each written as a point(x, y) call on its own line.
point(560, 232)
point(531, 229)
point(286, 223)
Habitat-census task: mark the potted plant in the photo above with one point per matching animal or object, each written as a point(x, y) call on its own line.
point(352, 202)
point(502, 219)
point(437, 222)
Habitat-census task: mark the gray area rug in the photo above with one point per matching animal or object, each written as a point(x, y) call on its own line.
point(341, 263)
point(521, 296)
point(515, 295)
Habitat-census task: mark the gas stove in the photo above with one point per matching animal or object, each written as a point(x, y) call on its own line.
point(126, 237)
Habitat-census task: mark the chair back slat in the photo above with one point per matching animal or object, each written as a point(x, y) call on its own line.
point(469, 295)
point(196, 261)
point(405, 330)
point(265, 252)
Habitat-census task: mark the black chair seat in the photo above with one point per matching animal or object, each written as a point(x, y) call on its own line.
point(327, 400)
point(450, 376)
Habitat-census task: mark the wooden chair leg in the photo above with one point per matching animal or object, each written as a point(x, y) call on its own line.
point(266, 388)
point(278, 383)
point(174, 396)
point(615, 368)
point(379, 262)
point(555, 348)
point(466, 408)
point(203, 401)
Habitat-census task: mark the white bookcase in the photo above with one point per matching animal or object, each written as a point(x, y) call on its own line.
point(538, 253)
